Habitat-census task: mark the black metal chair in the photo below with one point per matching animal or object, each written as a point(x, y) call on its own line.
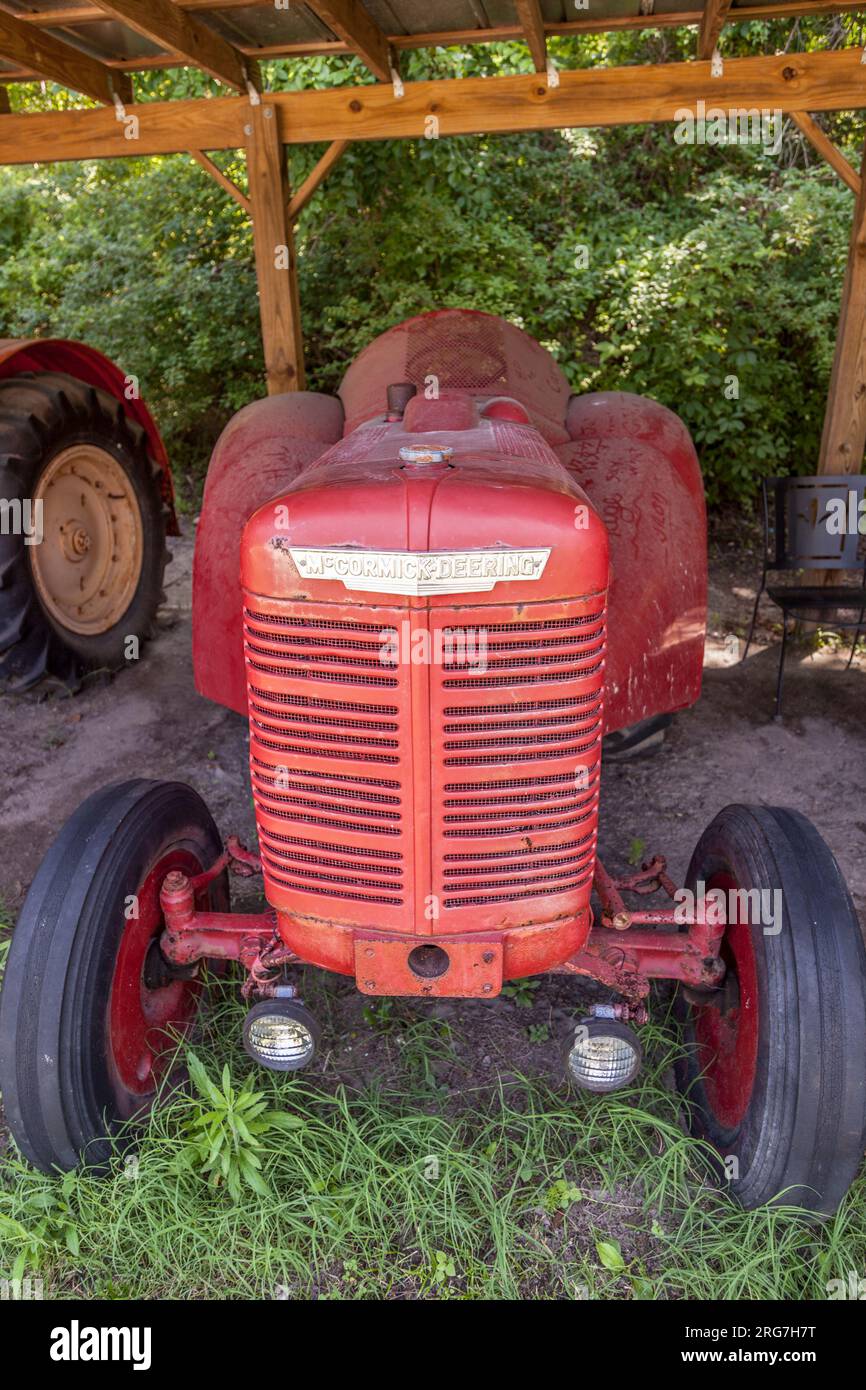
point(813, 523)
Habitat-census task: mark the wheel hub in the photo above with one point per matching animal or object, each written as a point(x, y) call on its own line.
point(75, 541)
point(87, 567)
point(726, 1024)
point(151, 1003)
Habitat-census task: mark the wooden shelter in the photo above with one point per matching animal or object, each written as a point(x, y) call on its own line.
point(94, 48)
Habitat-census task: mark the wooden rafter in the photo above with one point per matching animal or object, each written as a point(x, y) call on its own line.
point(532, 24)
point(352, 23)
point(825, 147)
point(826, 80)
point(163, 23)
point(300, 199)
point(712, 23)
point(56, 61)
point(222, 179)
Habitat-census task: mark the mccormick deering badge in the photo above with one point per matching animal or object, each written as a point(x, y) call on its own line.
point(420, 572)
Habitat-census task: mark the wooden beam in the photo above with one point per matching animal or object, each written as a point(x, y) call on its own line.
point(818, 81)
point(299, 200)
point(352, 23)
point(532, 23)
point(273, 239)
point(164, 127)
point(827, 80)
point(713, 20)
point(164, 24)
point(825, 147)
point(222, 179)
point(844, 438)
point(58, 62)
point(5, 108)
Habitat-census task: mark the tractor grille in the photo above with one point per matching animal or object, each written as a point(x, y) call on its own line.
point(506, 718)
point(516, 786)
point(327, 714)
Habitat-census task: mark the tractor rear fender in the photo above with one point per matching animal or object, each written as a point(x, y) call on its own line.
point(259, 453)
point(18, 355)
point(637, 463)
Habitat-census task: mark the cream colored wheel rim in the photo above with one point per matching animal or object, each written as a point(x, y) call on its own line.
point(88, 563)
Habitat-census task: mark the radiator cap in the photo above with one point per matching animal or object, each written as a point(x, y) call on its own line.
point(422, 453)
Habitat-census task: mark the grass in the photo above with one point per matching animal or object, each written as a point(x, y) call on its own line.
point(515, 1190)
point(5, 936)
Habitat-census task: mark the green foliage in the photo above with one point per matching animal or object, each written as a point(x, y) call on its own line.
point(45, 1227)
point(151, 263)
point(521, 991)
point(443, 1267)
point(642, 264)
point(610, 1255)
point(515, 1189)
point(561, 1195)
point(224, 1131)
point(5, 936)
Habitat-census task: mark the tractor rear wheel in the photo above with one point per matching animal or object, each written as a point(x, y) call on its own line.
point(90, 1012)
point(775, 1060)
point(72, 597)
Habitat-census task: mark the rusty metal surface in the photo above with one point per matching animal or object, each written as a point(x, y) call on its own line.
point(629, 948)
point(623, 955)
point(266, 25)
point(474, 967)
point(259, 24)
point(652, 878)
point(629, 962)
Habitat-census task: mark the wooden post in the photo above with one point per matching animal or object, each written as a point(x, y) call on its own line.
point(844, 437)
point(276, 269)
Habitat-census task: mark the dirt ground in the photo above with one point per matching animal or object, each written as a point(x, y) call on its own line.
point(150, 722)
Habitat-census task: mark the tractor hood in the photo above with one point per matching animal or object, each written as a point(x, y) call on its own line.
point(401, 508)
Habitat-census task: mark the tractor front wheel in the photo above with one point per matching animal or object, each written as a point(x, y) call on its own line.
point(775, 1060)
point(90, 1013)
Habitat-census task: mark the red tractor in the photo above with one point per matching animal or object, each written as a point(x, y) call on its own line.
point(433, 596)
point(86, 498)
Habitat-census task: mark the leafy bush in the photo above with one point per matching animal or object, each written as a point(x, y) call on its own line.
point(644, 265)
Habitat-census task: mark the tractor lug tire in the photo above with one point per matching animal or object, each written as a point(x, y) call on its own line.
point(42, 415)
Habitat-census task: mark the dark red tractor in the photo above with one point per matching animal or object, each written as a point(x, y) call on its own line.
point(433, 596)
point(85, 506)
